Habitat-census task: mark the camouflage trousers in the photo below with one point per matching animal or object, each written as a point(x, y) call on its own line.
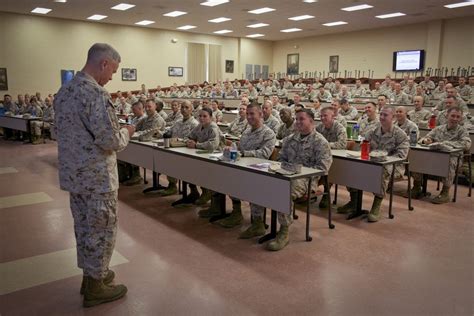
point(95, 227)
point(387, 172)
point(36, 127)
point(447, 181)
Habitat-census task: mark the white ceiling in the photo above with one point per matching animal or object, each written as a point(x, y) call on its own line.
point(324, 11)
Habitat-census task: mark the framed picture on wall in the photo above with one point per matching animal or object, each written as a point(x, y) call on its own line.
point(229, 66)
point(3, 79)
point(292, 64)
point(175, 71)
point(129, 74)
point(66, 76)
point(333, 64)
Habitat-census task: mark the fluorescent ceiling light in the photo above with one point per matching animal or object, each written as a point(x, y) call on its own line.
point(145, 22)
point(301, 17)
point(390, 15)
point(257, 25)
point(335, 23)
point(60, 1)
point(174, 14)
point(291, 30)
point(123, 6)
point(41, 10)
point(460, 4)
point(310, 1)
point(255, 35)
point(186, 27)
point(97, 17)
point(262, 10)
point(223, 31)
point(213, 3)
point(357, 7)
point(219, 20)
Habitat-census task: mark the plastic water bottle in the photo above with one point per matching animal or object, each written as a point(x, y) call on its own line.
point(364, 150)
point(233, 152)
point(33, 112)
point(413, 138)
point(129, 120)
point(355, 131)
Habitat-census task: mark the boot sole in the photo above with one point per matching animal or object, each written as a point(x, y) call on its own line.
point(229, 225)
point(277, 249)
point(91, 303)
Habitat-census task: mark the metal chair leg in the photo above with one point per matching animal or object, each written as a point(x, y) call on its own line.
point(410, 207)
point(335, 195)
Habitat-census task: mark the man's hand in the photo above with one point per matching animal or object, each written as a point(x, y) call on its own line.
point(130, 129)
point(427, 141)
point(191, 144)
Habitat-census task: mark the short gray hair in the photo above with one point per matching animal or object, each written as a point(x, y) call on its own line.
point(101, 51)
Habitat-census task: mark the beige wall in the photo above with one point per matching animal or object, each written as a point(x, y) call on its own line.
point(373, 49)
point(39, 47)
point(255, 52)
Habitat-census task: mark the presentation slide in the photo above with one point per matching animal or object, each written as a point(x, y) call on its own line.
point(408, 60)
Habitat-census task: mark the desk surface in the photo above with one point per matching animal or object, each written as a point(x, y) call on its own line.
point(342, 154)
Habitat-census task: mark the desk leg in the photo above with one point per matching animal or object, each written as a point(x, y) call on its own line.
point(358, 211)
point(308, 203)
point(223, 213)
point(330, 224)
point(410, 207)
point(390, 215)
point(156, 184)
point(335, 194)
point(185, 199)
point(272, 233)
point(456, 178)
point(425, 184)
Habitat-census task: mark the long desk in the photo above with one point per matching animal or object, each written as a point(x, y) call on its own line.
point(363, 175)
point(18, 123)
point(264, 188)
point(433, 162)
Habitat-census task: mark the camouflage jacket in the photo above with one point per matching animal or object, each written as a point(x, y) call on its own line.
point(238, 126)
point(258, 143)
point(183, 128)
point(284, 131)
point(311, 151)
point(207, 138)
point(150, 126)
point(456, 137)
point(336, 135)
point(89, 136)
point(395, 142)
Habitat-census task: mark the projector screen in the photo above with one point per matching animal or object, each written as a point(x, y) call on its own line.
point(408, 60)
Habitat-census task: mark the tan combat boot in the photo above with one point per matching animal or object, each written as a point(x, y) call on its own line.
point(349, 206)
point(443, 197)
point(374, 214)
point(205, 197)
point(214, 210)
point(235, 217)
point(256, 229)
point(96, 292)
point(107, 280)
point(282, 239)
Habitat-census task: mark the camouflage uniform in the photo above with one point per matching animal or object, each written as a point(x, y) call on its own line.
point(350, 114)
point(464, 92)
point(173, 118)
point(217, 115)
point(420, 117)
point(284, 131)
point(409, 126)
point(456, 137)
point(410, 91)
point(207, 138)
point(341, 119)
point(48, 117)
point(196, 111)
point(11, 107)
point(438, 94)
point(376, 93)
point(182, 128)
point(35, 110)
point(329, 86)
point(135, 119)
point(272, 122)
point(442, 118)
point(400, 98)
point(358, 92)
point(124, 108)
point(365, 125)
point(430, 85)
point(336, 135)
point(256, 143)
point(238, 126)
point(163, 114)
point(311, 151)
point(326, 96)
point(149, 127)
point(89, 136)
point(395, 143)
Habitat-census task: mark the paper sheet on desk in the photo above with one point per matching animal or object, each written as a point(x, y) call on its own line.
point(353, 153)
point(264, 166)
